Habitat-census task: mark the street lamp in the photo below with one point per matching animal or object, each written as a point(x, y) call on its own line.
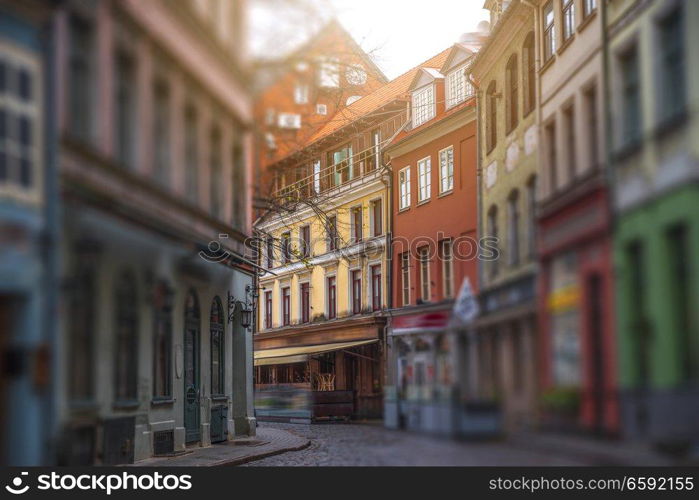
point(244, 307)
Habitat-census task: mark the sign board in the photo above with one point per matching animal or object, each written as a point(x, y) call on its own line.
point(466, 305)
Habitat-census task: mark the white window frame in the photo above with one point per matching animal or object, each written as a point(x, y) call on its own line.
point(424, 179)
point(423, 105)
point(425, 282)
point(301, 93)
point(14, 106)
point(447, 265)
point(329, 73)
point(449, 171)
point(321, 109)
point(458, 88)
point(404, 188)
point(289, 120)
point(405, 286)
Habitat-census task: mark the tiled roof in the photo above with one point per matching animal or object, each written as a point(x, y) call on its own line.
point(394, 89)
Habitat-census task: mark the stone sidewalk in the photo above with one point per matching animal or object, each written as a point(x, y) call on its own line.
point(266, 443)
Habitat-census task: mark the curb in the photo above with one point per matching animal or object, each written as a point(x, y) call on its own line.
point(253, 458)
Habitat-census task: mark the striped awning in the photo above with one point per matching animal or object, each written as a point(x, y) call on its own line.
point(300, 354)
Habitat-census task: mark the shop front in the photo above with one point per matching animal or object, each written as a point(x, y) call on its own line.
point(299, 379)
point(576, 312)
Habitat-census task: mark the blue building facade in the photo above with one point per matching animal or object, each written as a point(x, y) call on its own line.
point(27, 245)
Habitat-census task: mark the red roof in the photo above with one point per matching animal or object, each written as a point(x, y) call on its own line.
point(385, 94)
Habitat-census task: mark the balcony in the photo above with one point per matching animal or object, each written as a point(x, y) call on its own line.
point(324, 183)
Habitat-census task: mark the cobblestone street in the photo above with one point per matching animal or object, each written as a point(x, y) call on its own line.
point(372, 445)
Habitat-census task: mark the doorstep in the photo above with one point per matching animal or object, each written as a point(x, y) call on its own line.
point(266, 443)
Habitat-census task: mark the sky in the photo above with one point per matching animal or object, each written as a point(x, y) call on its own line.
point(397, 34)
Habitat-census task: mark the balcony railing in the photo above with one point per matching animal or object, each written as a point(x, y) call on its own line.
point(322, 181)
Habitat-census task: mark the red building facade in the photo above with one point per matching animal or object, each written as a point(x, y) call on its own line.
point(434, 247)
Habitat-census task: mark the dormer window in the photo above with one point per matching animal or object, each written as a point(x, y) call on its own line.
point(289, 120)
point(458, 87)
point(301, 94)
point(423, 105)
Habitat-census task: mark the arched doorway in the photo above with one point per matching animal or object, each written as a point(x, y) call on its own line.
point(191, 367)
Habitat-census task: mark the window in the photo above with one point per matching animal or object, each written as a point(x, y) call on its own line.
point(216, 175)
point(286, 247)
point(425, 289)
point(549, 32)
point(268, 309)
point(355, 74)
point(269, 252)
point(405, 277)
point(447, 255)
point(161, 132)
point(491, 107)
point(301, 93)
point(125, 104)
point(550, 134)
point(458, 87)
point(493, 232)
point(218, 351)
point(376, 218)
point(286, 306)
point(356, 214)
point(424, 179)
point(240, 188)
point(331, 231)
point(329, 73)
point(423, 105)
point(531, 217)
point(529, 74)
point(376, 145)
point(191, 155)
point(82, 333)
point(80, 79)
point(636, 297)
point(332, 298)
point(321, 109)
point(305, 302)
point(630, 97)
point(678, 247)
point(569, 121)
point(404, 187)
point(356, 279)
point(305, 243)
point(589, 7)
point(289, 120)
point(568, 10)
point(446, 170)
point(672, 61)
point(126, 339)
point(316, 176)
point(511, 79)
point(376, 287)
point(19, 124)
point(590, 100)
point(513, 228)
point(162, 342)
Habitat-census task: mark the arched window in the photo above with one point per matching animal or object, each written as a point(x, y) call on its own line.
point(492, 116)
point(162, 341)
point(82, 333)
point(511, 83)
point(513, 228)
point(493, 233)
point(528, 74)
point(217, 348)
point(126, 351)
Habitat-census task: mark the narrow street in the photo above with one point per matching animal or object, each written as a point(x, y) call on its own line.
point(373, 445)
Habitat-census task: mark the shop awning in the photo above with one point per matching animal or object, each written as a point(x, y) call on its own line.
point(287, 355)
